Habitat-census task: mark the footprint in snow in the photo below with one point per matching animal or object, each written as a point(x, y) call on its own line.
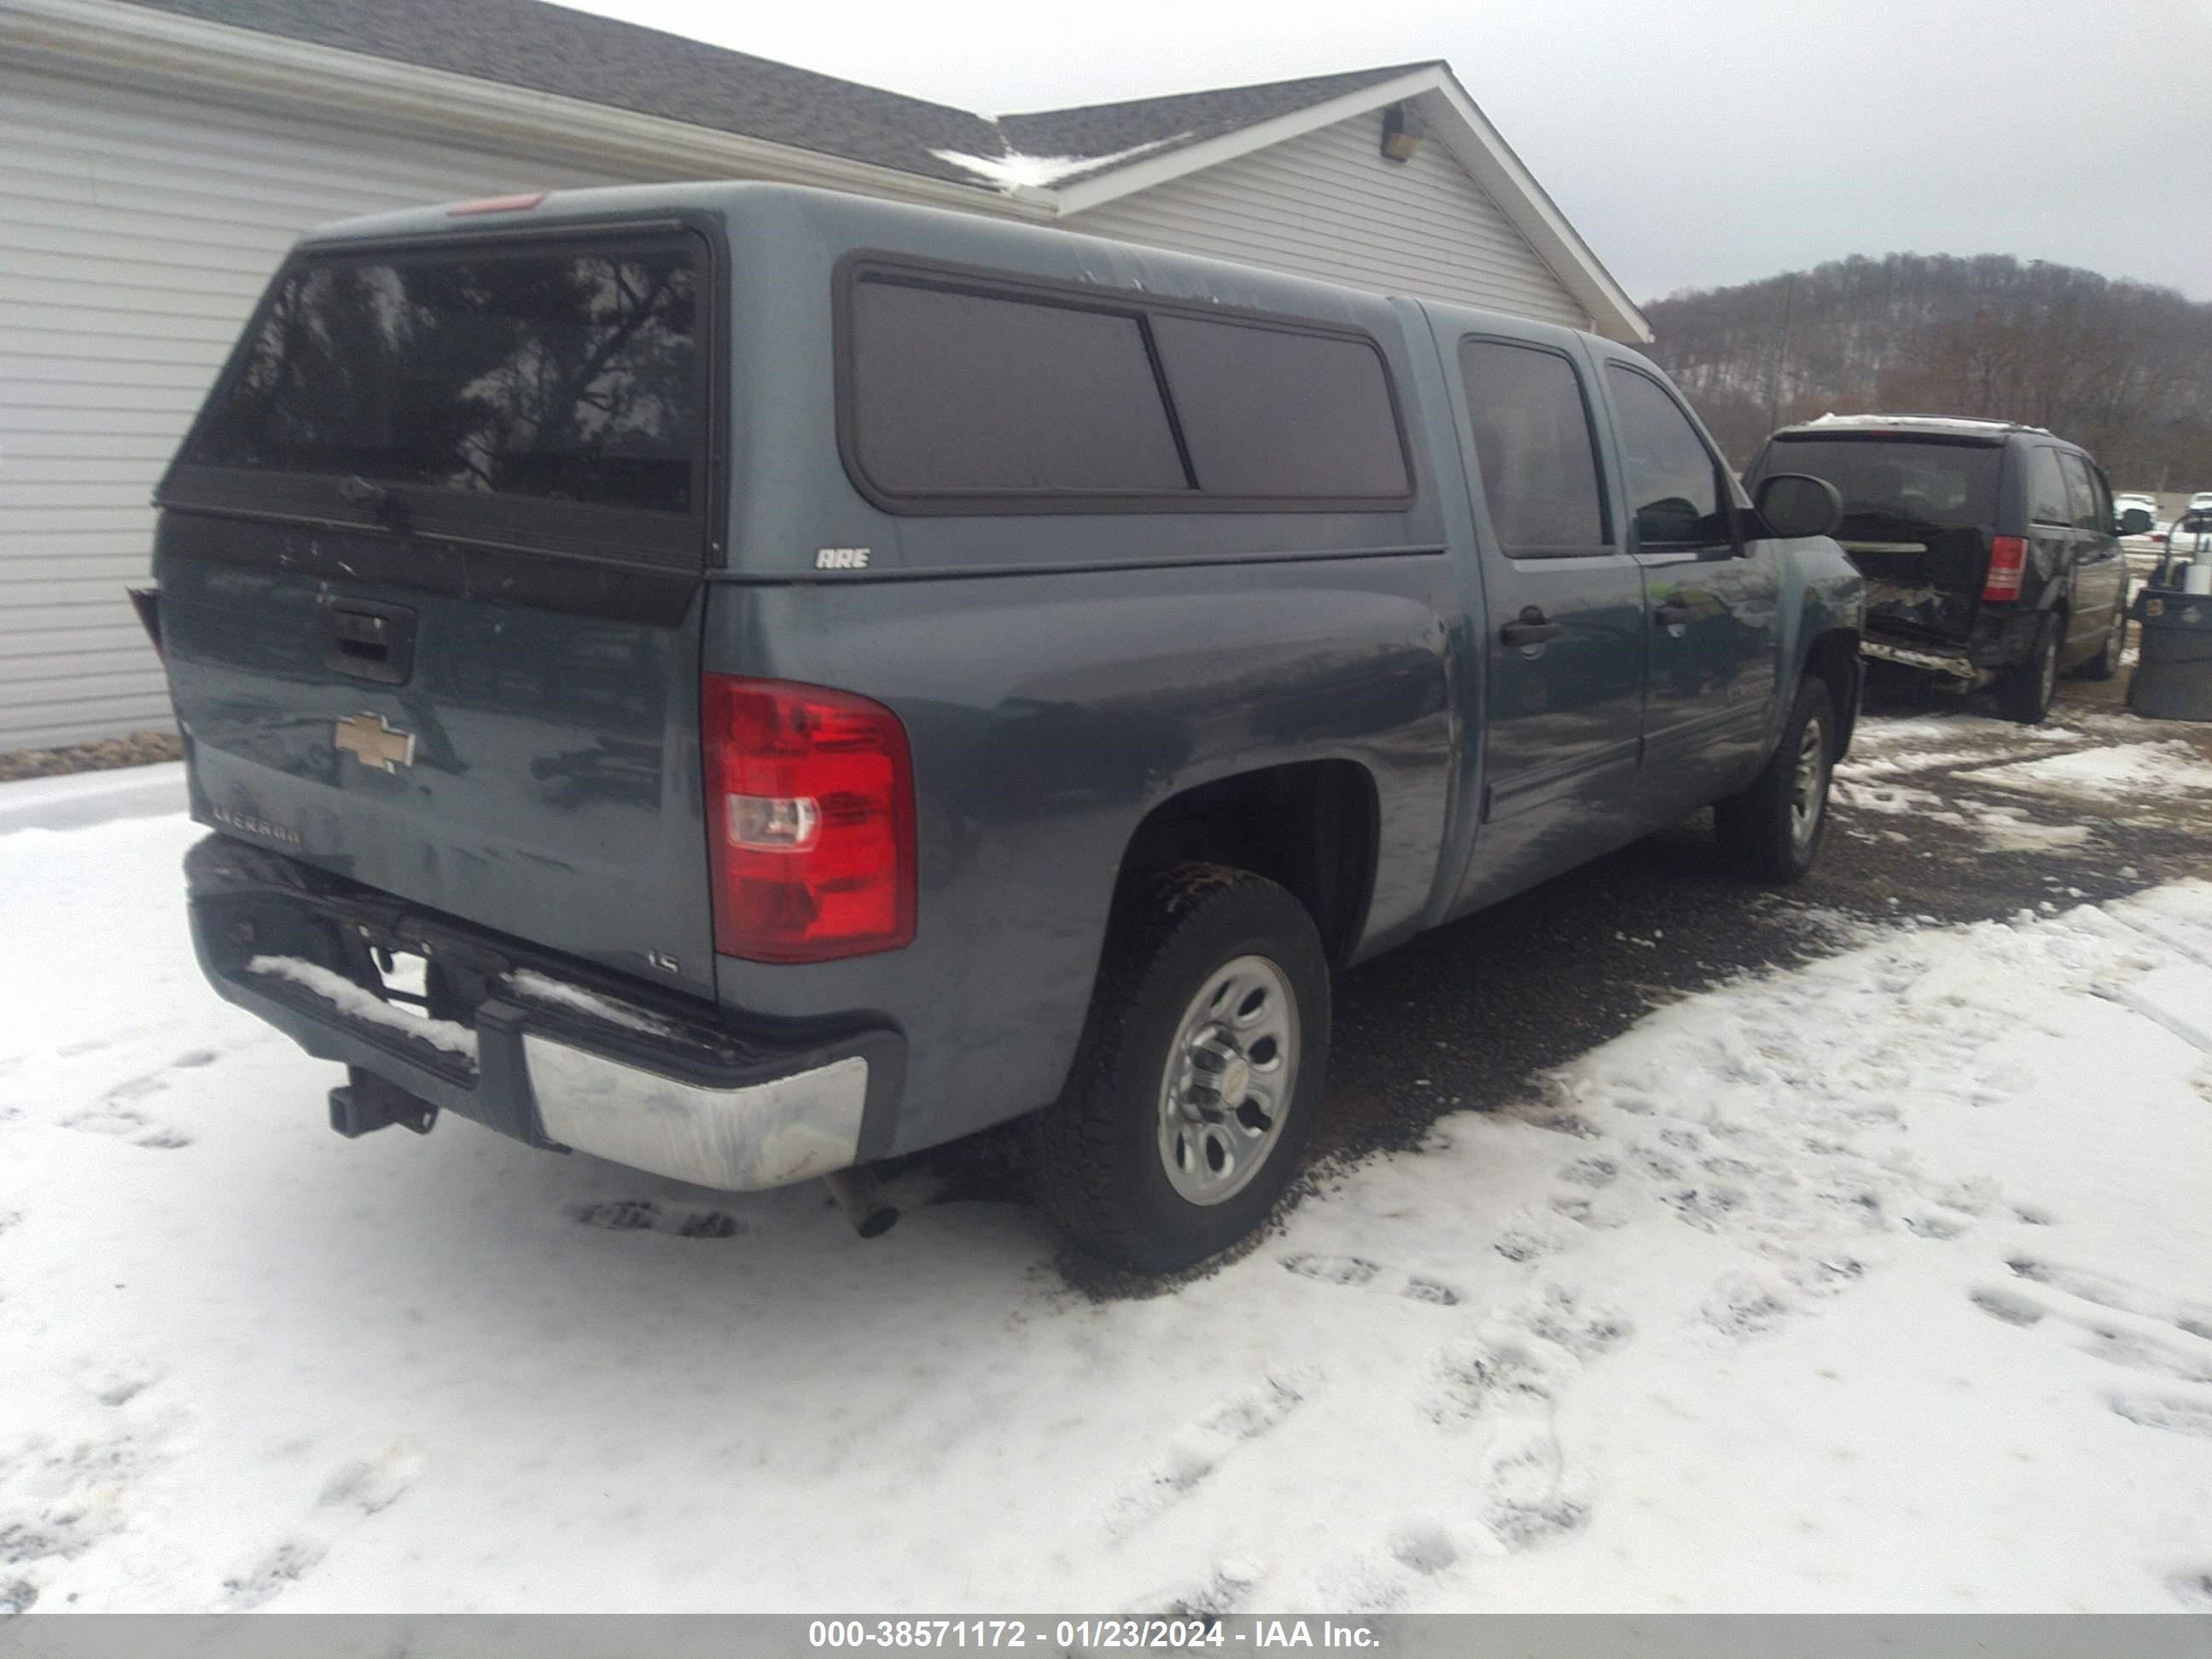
point(2132, 1350)
point(1425, 1549)
point(372, 1485)
point(1742, 1307)
point(2191, 1587)
point(2192, 1417)
point(1196, 1452)
point(2003, 1305)
point(1221, 1592)
point(277, 1571)
point(1934, 1223)
point(1591, 1171)
point(2193, 1317)
point(114, 1118)
point(632, 1215)
point(1358, 1273)
point(1512, 1387)
point(119, 1391)
point(364, 1487)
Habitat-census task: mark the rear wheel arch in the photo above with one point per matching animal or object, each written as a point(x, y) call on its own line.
point(1311, 827)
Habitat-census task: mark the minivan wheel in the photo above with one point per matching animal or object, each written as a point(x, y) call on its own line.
point(1199, 1074)
point(2107, 662)
point(2025, 692)
point(1773, 831)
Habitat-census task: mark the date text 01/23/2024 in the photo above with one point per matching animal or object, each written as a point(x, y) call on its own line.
point(1091, 1634)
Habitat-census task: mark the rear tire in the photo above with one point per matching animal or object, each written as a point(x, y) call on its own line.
point(2025, 693)
point(2107, 662)
point(1772, 831)
point(1210, 974)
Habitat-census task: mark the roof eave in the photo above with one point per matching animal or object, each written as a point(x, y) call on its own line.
point(1455, 121)
point(111, 40)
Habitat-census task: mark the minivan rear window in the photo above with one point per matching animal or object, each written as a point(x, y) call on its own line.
point(959, 395)
point(1913, 480)
point(569, 375)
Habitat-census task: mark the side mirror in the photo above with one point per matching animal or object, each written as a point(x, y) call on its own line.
point(1797, 504)
point(2134, 522)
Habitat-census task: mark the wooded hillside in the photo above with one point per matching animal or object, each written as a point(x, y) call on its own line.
point(2123, 369)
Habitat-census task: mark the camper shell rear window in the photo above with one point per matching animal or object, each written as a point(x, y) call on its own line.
point(963, 392)
point(536, 390)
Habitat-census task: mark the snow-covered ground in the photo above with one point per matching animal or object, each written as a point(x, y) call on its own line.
point(1883, 1284)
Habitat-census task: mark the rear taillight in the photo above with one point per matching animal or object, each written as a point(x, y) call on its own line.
point(2007, 559)
point(809, 812)
point(147, 602)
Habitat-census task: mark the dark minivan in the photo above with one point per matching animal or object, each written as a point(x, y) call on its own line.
point(753, 682)
point(1990, 550)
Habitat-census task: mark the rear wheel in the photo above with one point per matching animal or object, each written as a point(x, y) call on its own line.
point(2025, 692)
point(2107, 662)
point(1773, 831)
point(1199, 1076)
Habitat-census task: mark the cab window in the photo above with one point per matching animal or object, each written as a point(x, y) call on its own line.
point(1533, 448)
point(1673, 480)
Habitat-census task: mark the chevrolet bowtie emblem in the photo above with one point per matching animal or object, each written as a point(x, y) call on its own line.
point(376, 744)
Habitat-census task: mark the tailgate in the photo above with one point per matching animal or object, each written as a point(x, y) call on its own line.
point(430, 570)
point(1919, 509)
point(1922, 579)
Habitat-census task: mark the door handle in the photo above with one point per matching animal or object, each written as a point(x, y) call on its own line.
point(1530, 627)
point(1672, 614)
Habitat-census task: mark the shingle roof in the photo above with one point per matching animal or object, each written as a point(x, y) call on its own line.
point(1160, 126)
point(573, 54)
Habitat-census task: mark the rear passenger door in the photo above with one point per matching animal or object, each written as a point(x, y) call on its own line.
point(2051, 532)
point(1711, 602)
point(2100, 568)
point(1563, 659)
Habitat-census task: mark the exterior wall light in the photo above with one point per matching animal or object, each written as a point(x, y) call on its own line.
point(1402, 133)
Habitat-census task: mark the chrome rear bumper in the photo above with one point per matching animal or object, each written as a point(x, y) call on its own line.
point(554, 1054)
point(759, 1134)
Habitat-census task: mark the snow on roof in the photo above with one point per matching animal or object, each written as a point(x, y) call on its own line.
point(1920, 422)
point(1014, 170)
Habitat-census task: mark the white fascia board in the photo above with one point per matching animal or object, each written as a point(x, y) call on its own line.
point(106, 39)
point(1085, 194)
point(1490, 160)
point(1453, 121)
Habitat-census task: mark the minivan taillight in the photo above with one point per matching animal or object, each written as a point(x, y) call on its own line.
point(2007, 559)
point(810, 814)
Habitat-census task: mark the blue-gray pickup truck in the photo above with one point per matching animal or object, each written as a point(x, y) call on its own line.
point(749, 682)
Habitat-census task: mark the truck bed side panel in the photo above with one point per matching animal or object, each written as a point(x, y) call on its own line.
point(1048, 714)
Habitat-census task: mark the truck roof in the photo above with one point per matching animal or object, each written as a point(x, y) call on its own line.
point(776, 210)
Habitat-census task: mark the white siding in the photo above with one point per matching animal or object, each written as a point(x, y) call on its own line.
point(136, 229)
point(1329, 206)
point(137, 226)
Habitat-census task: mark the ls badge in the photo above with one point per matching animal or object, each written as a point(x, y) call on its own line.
point(375, 743)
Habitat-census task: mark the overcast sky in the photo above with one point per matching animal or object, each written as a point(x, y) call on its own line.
point(1692, 142)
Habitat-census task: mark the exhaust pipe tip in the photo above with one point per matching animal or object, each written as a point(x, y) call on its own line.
point(861, 1196)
